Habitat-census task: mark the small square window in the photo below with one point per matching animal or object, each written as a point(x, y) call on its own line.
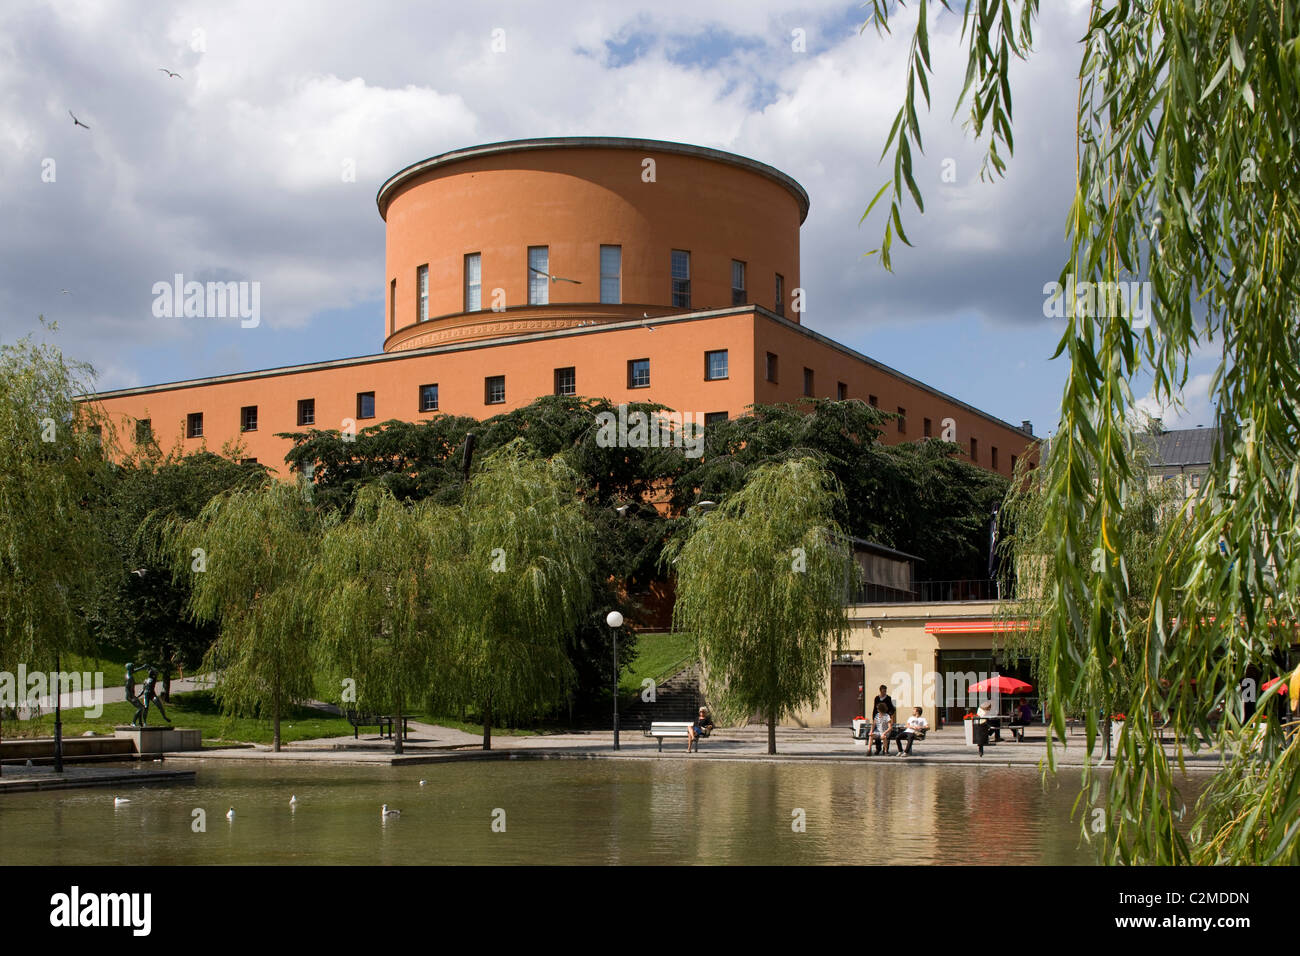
point(715, 365)
point(808, 382)
point(494, 390)
point(143, 431)
point(771, 366)
point(841, 391)
point(306, 411)
point(902, 420)
point(194, 425)
point(429, 398)
point(566, 381)
point(365, 404)
point(638, 373)
point(248, 418)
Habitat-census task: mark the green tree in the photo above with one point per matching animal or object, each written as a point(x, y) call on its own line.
point(139, 607)
point(1185, 177)
point(523, 584)
point(51, 554)
point(761, 583)
point(249, 556)
point(386, 591)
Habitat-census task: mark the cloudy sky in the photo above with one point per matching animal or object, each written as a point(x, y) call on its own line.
point(236, 170)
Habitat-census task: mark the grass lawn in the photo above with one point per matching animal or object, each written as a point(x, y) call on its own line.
point(196, 710)
point(654, 654)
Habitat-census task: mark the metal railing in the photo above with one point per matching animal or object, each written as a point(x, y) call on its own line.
point(932, 592)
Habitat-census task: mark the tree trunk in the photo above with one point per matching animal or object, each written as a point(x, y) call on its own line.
point(397, 726)
point(275, 702)
point(487, 724)
point(771, 731)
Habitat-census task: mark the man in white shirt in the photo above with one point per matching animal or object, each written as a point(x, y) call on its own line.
point(916, 724)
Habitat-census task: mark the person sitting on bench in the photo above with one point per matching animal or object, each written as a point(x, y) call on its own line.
point(916, 724)
point(703, 724)
point(1024, 713)
point(994, 723)
point(882, 726)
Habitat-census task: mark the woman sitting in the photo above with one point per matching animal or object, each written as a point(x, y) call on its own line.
point(703, 724)
point(882, 727)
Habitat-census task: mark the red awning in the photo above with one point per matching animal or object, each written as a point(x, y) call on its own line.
point(975, 627)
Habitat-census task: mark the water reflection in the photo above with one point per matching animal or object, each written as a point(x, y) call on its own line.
point(561, 811)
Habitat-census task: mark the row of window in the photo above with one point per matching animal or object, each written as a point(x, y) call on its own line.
point(611, 282)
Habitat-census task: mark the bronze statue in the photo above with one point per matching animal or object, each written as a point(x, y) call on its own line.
point(152, 698)
point(141, 711)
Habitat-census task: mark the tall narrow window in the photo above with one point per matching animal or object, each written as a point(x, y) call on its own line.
point(873, 401)
point(1013, 464)
point(429, 398)
point(926, 427)
point(993, 457)
point(473, 282)
point(422, 293)
point(611, 274)
point(902, 420)
point(808, 382)
point(638, 373)
point(974, 450)
point(365, 404)
point(248, 418)
point(566, 381)
point(681, 269)
point(392, 307)
point(841, 391)
point(194, 425)
point(143, 431)
point(539, 275)
point(771, 366)
point(780, 294)
point(494, 390)
point(715, 365)
point(306, 411)
point(738, 294)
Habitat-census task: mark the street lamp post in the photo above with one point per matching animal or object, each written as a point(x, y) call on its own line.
point(58, 717)
point(615, 621)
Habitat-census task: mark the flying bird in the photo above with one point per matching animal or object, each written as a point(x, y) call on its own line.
point(75, 121)
point(170, 74)
point(66, 291)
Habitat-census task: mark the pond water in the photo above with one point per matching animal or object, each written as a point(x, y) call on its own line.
point(559, 811)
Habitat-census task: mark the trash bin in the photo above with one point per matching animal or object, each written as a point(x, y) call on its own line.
point(980, 733)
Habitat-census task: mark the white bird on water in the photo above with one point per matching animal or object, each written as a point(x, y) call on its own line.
point(230, 814)
point(293, 801)
point(423, 782)
point(385, 812)
point(118, 801)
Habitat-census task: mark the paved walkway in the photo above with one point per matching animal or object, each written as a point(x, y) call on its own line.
point(76, 776)
point(432, 744)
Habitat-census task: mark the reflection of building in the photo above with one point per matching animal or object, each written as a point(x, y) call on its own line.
point(633, 270)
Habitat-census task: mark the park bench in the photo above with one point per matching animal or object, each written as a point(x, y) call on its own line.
point(1018, 732)
point(369, 720)
point(660, 729)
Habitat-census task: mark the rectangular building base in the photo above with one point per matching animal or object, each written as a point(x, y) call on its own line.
point(160, 740)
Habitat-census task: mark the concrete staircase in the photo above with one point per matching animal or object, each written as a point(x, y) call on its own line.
point(677, 698)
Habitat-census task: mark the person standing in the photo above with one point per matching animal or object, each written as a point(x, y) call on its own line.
point(888, 701)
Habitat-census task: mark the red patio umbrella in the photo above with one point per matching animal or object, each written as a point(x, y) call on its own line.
point(1000, 685)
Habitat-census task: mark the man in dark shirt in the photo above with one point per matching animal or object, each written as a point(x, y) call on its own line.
point(883, 696)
